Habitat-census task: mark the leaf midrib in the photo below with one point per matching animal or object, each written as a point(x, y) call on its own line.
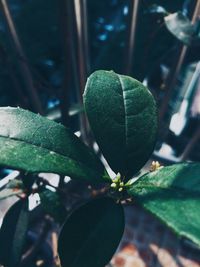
point(47, 149)
point(36, 145)
point(124, 105)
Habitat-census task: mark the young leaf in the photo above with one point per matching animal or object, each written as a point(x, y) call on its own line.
point(173, 195)
point(91, 235)
point(13, 234)
point(51, 203)
point(180, 26)
point(33, 143)
point(122, 115)
point(156, 9)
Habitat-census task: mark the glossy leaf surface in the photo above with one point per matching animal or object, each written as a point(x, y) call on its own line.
point(173, 195)
point(122, 115)
point(33, 143)
point(13, 234)
point(91, 235)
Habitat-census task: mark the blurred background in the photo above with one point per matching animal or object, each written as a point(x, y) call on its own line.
point(47, 51)
point(49, 48)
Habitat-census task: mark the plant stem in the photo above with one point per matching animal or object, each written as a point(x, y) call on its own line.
point(129, 58)
point(21, 59)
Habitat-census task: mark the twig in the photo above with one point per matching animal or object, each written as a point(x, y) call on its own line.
point(21, 58)
point(132, 36)
point(54, 240)
point(30, 254)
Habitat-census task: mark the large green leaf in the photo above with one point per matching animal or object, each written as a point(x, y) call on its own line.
point(35, 144)
point(122, 115)
point(173, 195)
point(13, 234)
point(91, 235)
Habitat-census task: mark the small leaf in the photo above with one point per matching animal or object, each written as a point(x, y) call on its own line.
point(91, 235)
point(35, 144)
point(52, 205)
point(173, 195)
point(123, 117)
point(13, 234)
point(156, 9)
point(180, 26)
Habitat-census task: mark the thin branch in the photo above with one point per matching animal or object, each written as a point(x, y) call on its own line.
point(21, 58)
point(83, 59)
point(54, 241)
point(195, 138)
point(32, 252)
point(66, 11)
point(130, 48)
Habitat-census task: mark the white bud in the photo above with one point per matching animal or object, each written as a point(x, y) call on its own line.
point(118, 176)
point(113, 185)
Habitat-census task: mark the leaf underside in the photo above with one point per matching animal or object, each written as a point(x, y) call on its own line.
point(173, 195)
point(123, 118)
point(91, 235)
point(35, 144)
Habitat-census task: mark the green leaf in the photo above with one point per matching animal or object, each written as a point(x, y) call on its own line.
point(35, 144)
point(91, 235)
point(173, 195)
point(122, 115)
point(180, 26)
point(13, 234)
point(52, 204)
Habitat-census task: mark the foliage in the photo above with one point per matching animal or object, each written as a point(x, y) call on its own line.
point(125, 140)
point(123, 117)
point(101, 227)
point(56, 148)
point(172, 194)
point(181, 27)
